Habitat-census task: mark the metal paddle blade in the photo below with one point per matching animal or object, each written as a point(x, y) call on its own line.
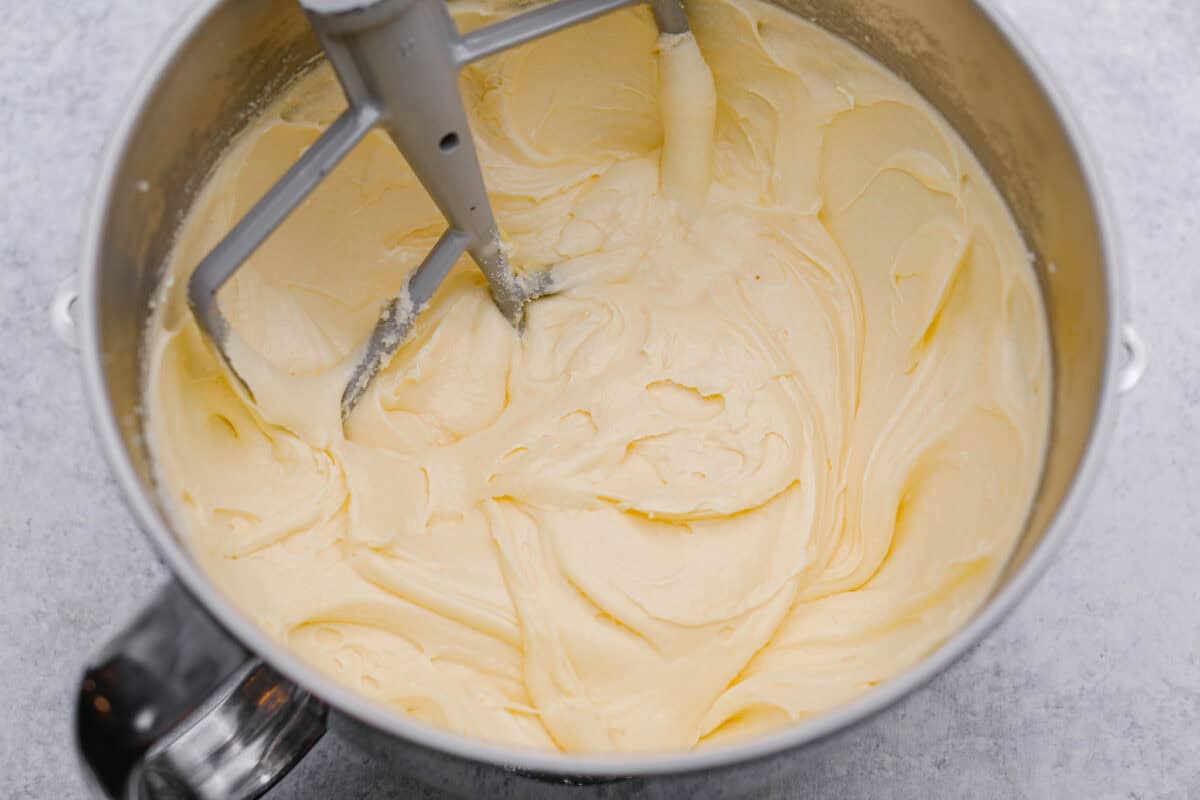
point(398, 317)
point(398, 62)
point(396, 321)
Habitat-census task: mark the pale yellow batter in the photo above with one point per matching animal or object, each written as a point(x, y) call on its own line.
point(768, 448)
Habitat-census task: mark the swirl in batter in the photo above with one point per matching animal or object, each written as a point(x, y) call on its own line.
point(769, 446)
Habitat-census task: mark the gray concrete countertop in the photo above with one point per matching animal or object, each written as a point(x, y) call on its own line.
point(1091, 689)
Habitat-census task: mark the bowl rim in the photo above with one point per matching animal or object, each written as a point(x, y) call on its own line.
point(345, 701)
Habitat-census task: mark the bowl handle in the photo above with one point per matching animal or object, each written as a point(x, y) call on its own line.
point(173, 707)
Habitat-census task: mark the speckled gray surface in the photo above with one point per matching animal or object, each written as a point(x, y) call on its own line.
point(1091, 689)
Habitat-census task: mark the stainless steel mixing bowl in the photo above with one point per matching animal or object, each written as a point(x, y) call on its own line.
point(192, 700)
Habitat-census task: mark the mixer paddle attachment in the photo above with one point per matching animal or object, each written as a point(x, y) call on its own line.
point(398, 63)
